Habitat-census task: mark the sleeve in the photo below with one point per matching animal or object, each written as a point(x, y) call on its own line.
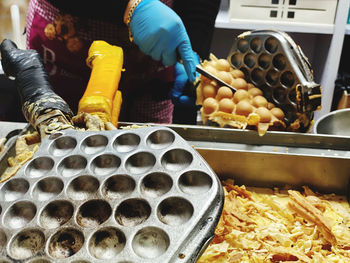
point(106, 10)
point(199, 18)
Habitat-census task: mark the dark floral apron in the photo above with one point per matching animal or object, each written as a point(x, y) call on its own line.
point(63, 42)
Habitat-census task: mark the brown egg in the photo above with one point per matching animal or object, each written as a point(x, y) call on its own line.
point(224, 76)
point(226, 105)
point(209, 91)
point(259, 101)
point(250, 86)
point(264, 113)
point(224, 92)
point(278, 113)
point(210, 105)
point(239, 83)
point(239, 95)
point(223, 65)
point(244, 108)
point(270, 105)
point(236, 73)
point(255, 92)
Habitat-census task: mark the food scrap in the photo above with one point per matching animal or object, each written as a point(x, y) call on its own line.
point(265, 225)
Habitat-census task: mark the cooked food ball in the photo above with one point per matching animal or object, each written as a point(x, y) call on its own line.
point(223, 65)
point(244, 108)
point(259, 101)
point(209, 105)
point(270, 105)
point(224, 92)
point(226, 105)
point(239, 83)
point(209, 91)
point(250, 86)
point(236, 73)
point(239, 95)
point(210, 69)
point(278, 113)
point(264, 113)
point(255, 92)
point(224, 76)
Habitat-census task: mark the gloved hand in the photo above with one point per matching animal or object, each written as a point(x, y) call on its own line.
point(178, 92)
point(160, 33)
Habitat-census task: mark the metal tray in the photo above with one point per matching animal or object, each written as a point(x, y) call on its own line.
point(140, 195)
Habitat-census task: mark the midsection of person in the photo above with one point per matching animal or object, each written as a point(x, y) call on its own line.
point(63, 41)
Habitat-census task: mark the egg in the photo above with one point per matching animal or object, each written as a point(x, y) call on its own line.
point(224, 76)
point(278, 113)
point(239, 83)
point(209, 105)
point(239, 95)
point(255, 92)
point(264, 113)
point(244, 108)
point(223, 65)
point(259, 101)
point(226, 105)
point(224, 92)
point(209, 91)
point(236, 73)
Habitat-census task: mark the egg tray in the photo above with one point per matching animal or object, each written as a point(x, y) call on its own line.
point(132, 195)
point(275, 64)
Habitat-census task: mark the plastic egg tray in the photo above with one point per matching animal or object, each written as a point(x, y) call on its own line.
point(276, 65)
point(132, 195)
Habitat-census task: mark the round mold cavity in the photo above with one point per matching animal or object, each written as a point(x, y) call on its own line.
point(246, 74)
point(176, 159)
point(160, 139)
point(256, 44)
point(94, 144)
point(271, 45)
point(195, 182)
point(55, 135)
point(118, 186)
point(140, 162)
point(250, 60)
point(63, 145)
point(287, 79)
point(65, 243)
point(292, 95)
point(126, 142)
point(132, 212)
point(175, 211)
point(82, 187)
point(14, 189)
point(267, 91)
point(279, 95)
point(20, 214)
point(257, 76)
point(272, 77)
point(156, 184)
point(3, 239)
point(105, 164)
point(279, 62)
point(47, 188)
point(236, 60)
point(93, 213)
point(26, 244)
point(150, 242)
point(72, 165)
point(56, 214)
point(40, 260)
point(242, 45)
point(290, 114)
point(264, 60)
point(107, 243)
point(40, 166)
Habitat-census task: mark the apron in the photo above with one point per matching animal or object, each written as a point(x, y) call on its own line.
point(63, 42)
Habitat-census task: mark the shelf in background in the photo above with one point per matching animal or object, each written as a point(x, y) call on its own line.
point(223, 21)
point(347, 30)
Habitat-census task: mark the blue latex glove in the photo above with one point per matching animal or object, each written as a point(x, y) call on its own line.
point(181, 81)
point(160, 33)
